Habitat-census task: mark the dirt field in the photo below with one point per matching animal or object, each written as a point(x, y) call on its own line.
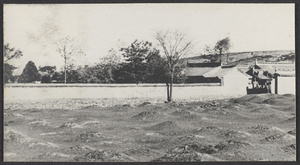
point(250, 128)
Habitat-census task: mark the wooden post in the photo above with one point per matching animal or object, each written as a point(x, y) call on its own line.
point(276, 84)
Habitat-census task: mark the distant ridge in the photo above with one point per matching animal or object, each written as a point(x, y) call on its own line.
point(246, 58)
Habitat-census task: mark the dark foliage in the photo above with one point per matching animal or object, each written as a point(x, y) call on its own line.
point(7, 72)
point(30, 74)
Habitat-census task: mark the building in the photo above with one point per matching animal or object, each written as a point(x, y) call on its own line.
point(196, 70)
point(278, 78)
point(231, 80)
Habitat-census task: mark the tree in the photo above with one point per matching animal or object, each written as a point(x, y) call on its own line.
point(135, 56)
point(156, 70)
point(47, 73)
point(109, 64)
point(175, 45)
point(9, 54)
point(223, 46)
point(29, 74)
point(67, 48)
point(7, 72)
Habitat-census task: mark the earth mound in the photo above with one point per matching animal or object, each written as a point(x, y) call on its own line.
point(77, 149)
point(167, 125)
point(194, 146)
point(290, 120)
point(145, 104)
point(290, 148)
point(69, 125)
point(231, 144)
point(279, 137)
point(181, 112)
point(231, 134)
point(185, 156)
point(140, 152)
point(90, 136)
point(211, 129)
point(146, 115)
point(292, 132)
point(12, 137)
point(103, 156)
point(264, 129)
point(271, 99)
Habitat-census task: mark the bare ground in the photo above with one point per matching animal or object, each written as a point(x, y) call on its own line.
point(250, 128)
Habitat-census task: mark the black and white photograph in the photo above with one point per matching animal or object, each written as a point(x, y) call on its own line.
point(149, 82)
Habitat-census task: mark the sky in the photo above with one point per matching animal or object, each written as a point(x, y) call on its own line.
point(96, 28)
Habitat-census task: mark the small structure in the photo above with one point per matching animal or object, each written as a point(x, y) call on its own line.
point(262, 77)
point(196, 70)
point(278, 78)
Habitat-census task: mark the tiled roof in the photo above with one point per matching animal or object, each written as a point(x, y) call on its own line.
point(218, 72)
point(197, 71)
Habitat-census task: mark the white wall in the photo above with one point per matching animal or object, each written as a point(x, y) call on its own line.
point(130, 91)
point(235, 82)
point(286, 85)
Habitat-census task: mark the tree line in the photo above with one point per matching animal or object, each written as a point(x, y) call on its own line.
point(140, 62)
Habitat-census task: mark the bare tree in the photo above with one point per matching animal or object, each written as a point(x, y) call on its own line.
point(175, 45)
point(66, 48)
point(112, 58)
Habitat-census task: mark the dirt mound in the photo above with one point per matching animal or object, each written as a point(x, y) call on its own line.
point(140, 152)
point(262, 110)
point(234, 156)
point(231, 134)
point(264, 128)
point(190, 137)
point(189, 117)
point(40, 144)
point(188, 156)
point(167, 125)
point(211, 129)
point(181, 112)
point(120, 108)
point(279, 137)
point(271, 99)
point(146, 115)
point(210, 104)
point(152, 140)
point(90, 107)
point(194, 146)
point(12, 137)
point(216, 111)
point(290, 120)
point(69, 125)
point(178, 104)
point(145, 104)
point(77, 149)
point(291, 108)
point(90, 136)
point(104, 156)
point(271, 117)
point(290, 148)
point(254, 98)
point(38, 124)
point(231, 144)
point(289, 95)
point(292, 132)
point(51, 156)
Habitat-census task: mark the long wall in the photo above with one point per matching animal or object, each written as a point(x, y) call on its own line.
point(157, 91)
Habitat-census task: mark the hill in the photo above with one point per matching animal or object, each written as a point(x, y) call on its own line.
point(246, 58)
